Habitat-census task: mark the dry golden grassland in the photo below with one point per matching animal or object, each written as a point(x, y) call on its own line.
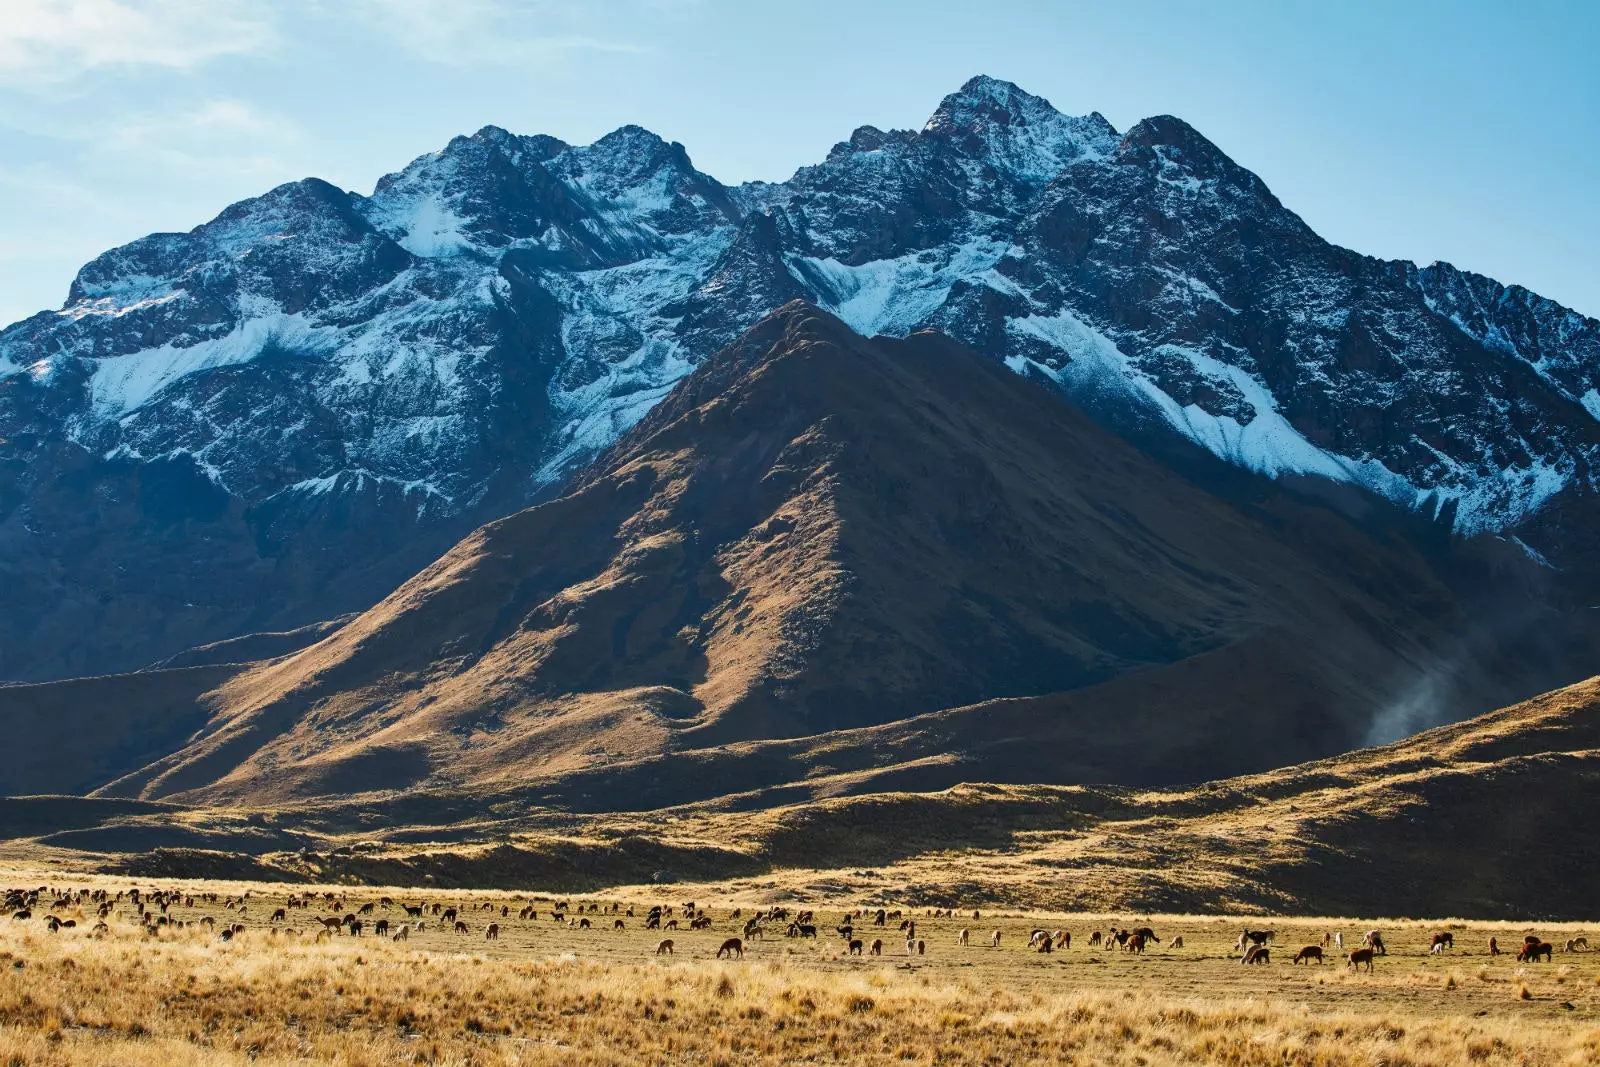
point(547, 992)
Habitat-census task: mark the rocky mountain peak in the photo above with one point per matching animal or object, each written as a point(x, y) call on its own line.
point(985, 101)
point(499, 137)
point(500, 311)
point(1174, 145)
point(1021, 134)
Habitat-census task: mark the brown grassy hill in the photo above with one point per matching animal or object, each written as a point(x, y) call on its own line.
point(820, 532)
point(1482, 819)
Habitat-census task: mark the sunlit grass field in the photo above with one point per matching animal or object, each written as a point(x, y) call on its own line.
point(549, 991)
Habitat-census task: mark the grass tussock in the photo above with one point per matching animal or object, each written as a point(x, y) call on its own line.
point(123, 999)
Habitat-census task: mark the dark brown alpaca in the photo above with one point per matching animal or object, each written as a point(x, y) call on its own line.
point(1531, 952)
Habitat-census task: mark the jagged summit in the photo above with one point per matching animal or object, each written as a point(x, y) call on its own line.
point(997, 121)
point(314, 364)
point(989, 101)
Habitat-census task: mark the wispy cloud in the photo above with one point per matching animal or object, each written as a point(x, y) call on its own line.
point(491, 31)
point(45, 42)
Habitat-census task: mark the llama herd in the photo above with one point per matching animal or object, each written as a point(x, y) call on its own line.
point(1254, 946)
point(327, 914)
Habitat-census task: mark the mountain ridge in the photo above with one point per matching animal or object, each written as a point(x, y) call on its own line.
point(242, 408)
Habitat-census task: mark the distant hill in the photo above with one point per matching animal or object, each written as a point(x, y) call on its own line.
point(1483, 819)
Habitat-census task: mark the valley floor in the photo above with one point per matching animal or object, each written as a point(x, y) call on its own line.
point(547, 992)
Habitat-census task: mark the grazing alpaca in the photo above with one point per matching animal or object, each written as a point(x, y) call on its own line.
point(1257, 954)
point(731, 947)
point(619, 925)
point(994, 939)
point(402, 934)
point(1494, 947)
point(461, 927)
point(1374, 941)
point(1360, 956)
point(1046, 944)
point(855, 946)
point(1440, 943)
point(1063, 939)
point(492, 932)
point(664, 948)
point(1532, 950)
point(1135, 944)
point(1307, 954)
point(1576, 943)
point(877, 946)
point(962, 938)
point(1254, 937)
point(1094, 938)
point(1177, 942)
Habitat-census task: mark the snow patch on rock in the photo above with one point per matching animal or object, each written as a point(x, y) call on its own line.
point(893, 296)
point(120, 385)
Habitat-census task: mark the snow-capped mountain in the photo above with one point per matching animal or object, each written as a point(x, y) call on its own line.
point(279, 414)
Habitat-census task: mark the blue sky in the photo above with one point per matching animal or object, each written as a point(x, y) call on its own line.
point(1466, 131)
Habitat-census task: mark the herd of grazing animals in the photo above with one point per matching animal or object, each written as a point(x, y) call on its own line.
point(326, 914)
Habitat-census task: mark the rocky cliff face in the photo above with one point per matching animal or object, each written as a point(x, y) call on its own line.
point(282, 413)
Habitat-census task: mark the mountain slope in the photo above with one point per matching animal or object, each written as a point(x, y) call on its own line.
point(1481, 819)
point(816, 532)
point(1474, 819)
point(289, 409)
